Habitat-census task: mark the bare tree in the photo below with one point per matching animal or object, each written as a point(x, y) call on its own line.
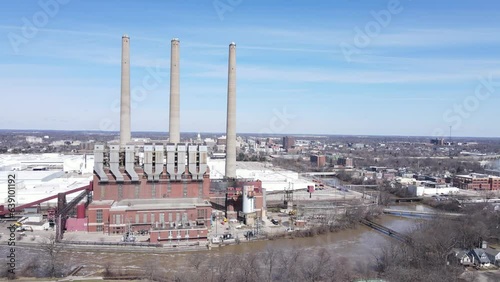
point(249, 268)
point(108, 269)
point(341, 270)
point(31, 267)
point(196, 260)
point(426, 258)
point(152, 270)
point(5, 273)
point(54, 251)
point(288, 262)
point(269, 258)
point(317, 267)
point(387, 257)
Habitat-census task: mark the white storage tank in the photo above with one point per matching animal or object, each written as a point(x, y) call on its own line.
point(248, 199)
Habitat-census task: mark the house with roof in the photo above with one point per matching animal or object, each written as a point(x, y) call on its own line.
point(493, 255)
point(460, 256)
point(479, 257)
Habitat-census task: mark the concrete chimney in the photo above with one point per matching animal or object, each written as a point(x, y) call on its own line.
point(231, 114)
point(125, 93)
point(174, 126)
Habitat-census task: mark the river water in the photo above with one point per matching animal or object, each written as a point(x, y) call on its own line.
point(359, 245)
point(356, 245)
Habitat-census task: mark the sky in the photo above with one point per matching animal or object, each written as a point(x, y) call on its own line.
point(360, 67)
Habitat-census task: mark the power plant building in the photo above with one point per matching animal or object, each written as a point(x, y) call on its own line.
point(160, 187)
point(139, 185)
point(243, 199)
point(134, 194)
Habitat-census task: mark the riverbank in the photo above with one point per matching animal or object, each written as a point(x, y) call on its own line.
point(354, 245)
point(346, 240)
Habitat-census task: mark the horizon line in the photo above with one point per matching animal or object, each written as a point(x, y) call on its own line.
point(257, 134)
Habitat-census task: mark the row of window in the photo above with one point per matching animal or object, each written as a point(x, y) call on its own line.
point(118, 219)
point(171, 233)
point(153, 191)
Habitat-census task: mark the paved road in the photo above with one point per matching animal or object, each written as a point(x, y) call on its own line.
point(482, 276)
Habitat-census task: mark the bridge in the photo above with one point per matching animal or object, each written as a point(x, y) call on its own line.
point(411, 199)
point(421, 214)
point(361, 186)
point(387, 231)
point(319, 174)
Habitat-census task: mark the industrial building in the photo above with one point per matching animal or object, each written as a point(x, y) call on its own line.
point(477, 181)
point(166, 190)
point(242, 199)
point(43, 175)
point(427, 188)
point(82, 164)
point(161, 187)
point(272, 178)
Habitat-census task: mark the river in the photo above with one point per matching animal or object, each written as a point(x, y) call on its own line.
point(356, 245)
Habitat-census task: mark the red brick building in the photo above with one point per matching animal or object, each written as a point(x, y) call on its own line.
point(288, 143)
point(345, 162)
point(165, 193)
point(494, 182)
point(318, 160)
point(232, 199)
point(477, 181)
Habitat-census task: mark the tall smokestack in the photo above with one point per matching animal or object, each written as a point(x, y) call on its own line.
point(174, 126)
point(125, 92)
point(231, 114)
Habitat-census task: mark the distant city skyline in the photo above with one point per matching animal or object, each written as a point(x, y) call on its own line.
point(208, 134)
point(405, 68)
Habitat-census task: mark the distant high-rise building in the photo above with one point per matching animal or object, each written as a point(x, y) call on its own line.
point(288, 142)
point(318, 160)
point(346, 162)
point(437, 141)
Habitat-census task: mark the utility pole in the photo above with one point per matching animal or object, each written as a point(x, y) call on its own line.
point(450, 134)
point(256, 227)
point(258, 223)
point(449, 148)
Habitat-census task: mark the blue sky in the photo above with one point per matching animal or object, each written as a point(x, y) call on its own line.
point(302, 66)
